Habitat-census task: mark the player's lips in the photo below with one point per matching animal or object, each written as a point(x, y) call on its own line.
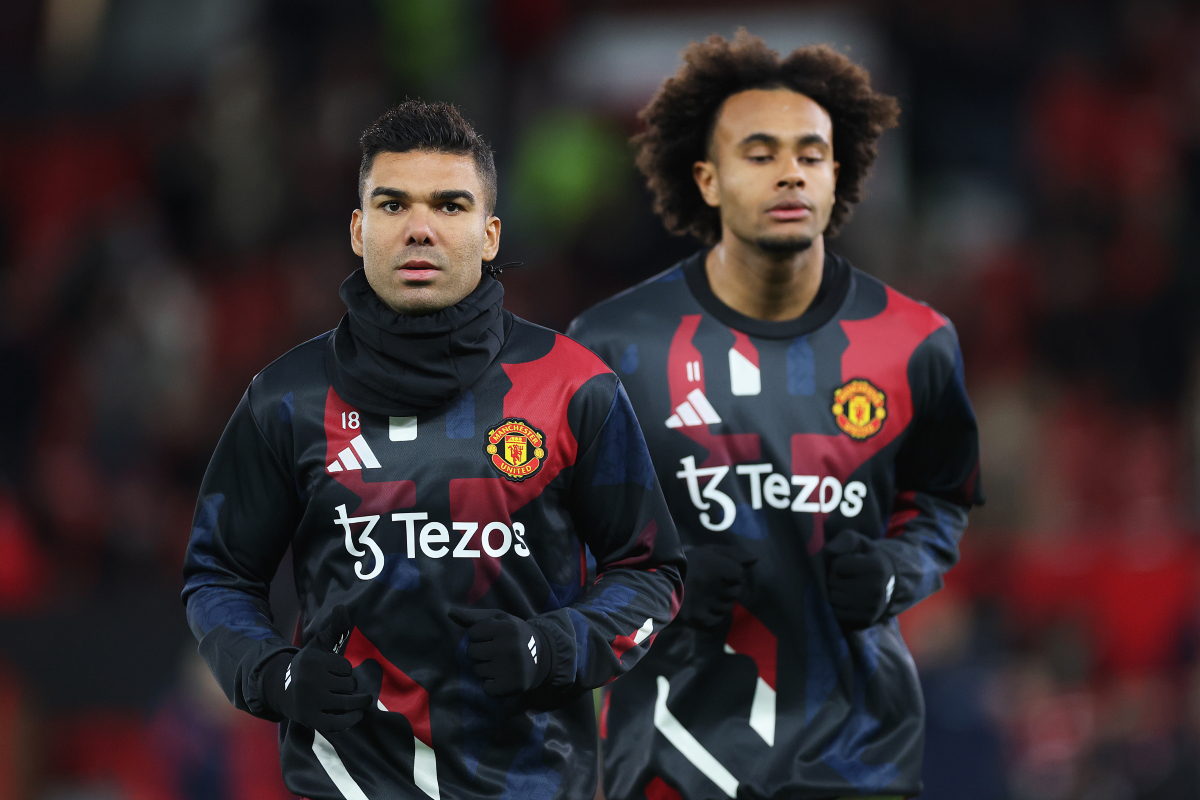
point(790, 210)
point(418, 270)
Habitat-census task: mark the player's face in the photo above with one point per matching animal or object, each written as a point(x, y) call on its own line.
point(771, 169)
point(423, 229)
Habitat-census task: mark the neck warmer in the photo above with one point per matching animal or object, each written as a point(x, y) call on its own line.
point(400, 365)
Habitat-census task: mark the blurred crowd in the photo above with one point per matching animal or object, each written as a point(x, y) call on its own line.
point(176, 181)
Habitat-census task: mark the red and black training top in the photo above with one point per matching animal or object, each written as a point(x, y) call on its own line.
point(514, 495)
point(778, 435)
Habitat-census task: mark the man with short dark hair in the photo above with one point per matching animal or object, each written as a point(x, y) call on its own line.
point(811, 431)
point(477, 532)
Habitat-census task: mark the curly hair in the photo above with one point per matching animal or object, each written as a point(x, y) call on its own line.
point(681, 118)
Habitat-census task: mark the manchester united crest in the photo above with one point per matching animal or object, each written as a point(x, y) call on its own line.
point(516, 448)
point(859, 408)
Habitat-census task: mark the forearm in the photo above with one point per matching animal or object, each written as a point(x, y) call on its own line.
point(923, 543)
point(237, 637)
point(602, 636)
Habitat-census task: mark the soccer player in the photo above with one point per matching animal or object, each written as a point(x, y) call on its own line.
point(812, 434)
point(451, 480)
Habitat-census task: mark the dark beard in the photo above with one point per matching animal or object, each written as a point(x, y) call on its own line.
point(789, 246)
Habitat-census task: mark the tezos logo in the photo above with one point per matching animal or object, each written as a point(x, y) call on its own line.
point(816, 494)
point(495, 538)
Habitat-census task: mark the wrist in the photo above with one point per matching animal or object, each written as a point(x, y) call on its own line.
point(272, 678)
point(553, 668)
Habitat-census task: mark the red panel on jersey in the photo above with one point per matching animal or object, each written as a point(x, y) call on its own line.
point(879, 351)
point(541, 391)
point(724, 449)
point(623, 644)
point(750, 637)
point(398, 692)
point(904, 509)
point(658, 789)
point(604, 715)
point(643, 548)
point(377, 498)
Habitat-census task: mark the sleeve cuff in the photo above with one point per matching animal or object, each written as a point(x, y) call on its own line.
point(562, 653)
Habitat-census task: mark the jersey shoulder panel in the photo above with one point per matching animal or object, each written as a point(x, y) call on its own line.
point(883, 324)
point(296, 382)
point(570, 359)
point(303, 363)
point(623, 311)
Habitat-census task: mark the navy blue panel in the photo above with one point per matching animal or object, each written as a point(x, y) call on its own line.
point(481, 714)
point(211, 606)
point(582, 642)
point(801, 368)
point(749, 523)
point(287, 407)
point(460, 417)
point(200, 544)
point(529, 778)
point(399, 572)
point(623, 456)
point(629, 359)
point(613, 599)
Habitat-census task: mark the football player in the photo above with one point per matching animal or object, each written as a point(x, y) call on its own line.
point(812, 433)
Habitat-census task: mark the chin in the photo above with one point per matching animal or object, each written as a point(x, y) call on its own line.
point(784, 245)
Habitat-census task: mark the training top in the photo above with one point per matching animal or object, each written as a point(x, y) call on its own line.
point(531, 492)
point(776, 436)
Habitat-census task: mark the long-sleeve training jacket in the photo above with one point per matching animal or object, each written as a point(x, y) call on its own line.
point(776, 436)
point(529, 490)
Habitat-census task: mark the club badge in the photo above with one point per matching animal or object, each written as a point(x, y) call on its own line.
point(859, 408)
point(516, 449)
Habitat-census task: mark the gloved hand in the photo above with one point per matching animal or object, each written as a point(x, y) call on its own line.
point(510, 655)
point(315, 686)
point(716, 574)
point(860, 577)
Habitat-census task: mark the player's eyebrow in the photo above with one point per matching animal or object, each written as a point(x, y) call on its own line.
point(761, 138)
point(446, 195)
point(812, 138)
point(387, 191)
point(441, 195)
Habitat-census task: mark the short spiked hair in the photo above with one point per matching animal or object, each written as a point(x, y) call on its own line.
point(681, 117)
point(438, 127)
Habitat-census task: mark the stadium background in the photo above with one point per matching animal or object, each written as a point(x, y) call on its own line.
point(176, 178)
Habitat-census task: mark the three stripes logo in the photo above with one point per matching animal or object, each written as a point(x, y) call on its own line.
point(532, 645)
point(695, 410)
point(287, 677)
point(357, 456)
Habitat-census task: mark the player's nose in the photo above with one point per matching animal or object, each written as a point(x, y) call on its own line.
point(792, 177)
point(420, 230)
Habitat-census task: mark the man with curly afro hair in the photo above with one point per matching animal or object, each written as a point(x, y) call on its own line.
point(811, 431)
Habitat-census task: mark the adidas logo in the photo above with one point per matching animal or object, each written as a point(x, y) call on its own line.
point(287, 677)
point(346, 459)
point(696, 410)
point(532, 645)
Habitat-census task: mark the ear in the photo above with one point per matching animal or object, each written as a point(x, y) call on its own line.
point(356, 243)
point(837, 168)
point(491, 241)
point(708, 182)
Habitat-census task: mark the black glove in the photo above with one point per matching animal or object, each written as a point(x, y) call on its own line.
point(715, 576)
point(315, 686)
point(860, 576)
point(510, 655)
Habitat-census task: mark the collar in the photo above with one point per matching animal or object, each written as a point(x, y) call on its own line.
point(400, 365)
point(835, 284)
